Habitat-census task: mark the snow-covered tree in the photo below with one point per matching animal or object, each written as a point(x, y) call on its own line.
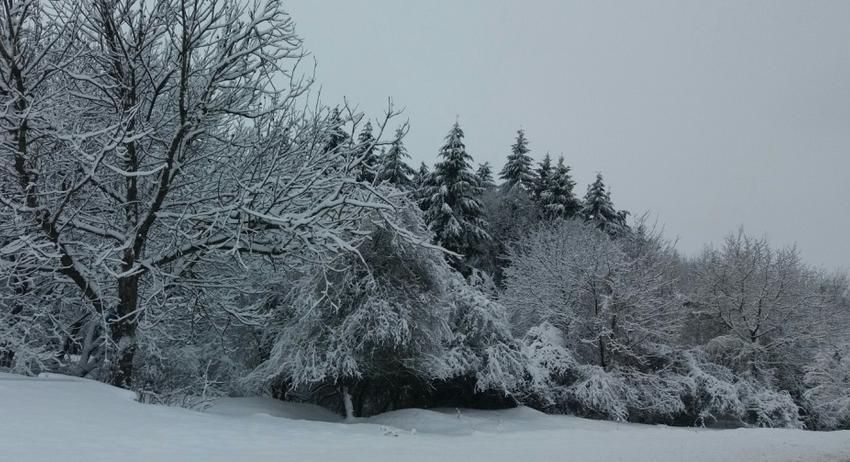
point(768, 306)
point(421, 176)
point(394, 168)
point(616, 310)
point(557, 198)
point(542, 177)
point(452, 209)
point(595, 319)
point(827, 392)
point(484, 174)
point(509, 214)
point(374, 324)
point(518, 170)
point(367, 154)
point(336, 138)
point(420, 180)
point(483, 352)
point(599, 209)
point(133, 164)
point(387, 331)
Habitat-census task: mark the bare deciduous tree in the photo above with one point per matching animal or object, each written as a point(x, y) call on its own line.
point(141, 137)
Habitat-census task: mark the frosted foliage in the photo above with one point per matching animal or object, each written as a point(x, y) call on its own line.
point(612, 308)
point(772, 313)
point(453, 212)
point(483, 336)
point(344, 325)
point(598, 318)
point(394, 169)
point(599, 209)
point(131, 167)
point(403, 318)
point(828, 387)
point(761, 295)
point(518, 171)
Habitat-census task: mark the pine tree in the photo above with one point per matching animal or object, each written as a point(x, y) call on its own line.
point(337, 136)
point(420, 181)
point(558, 199)
point(541, 179)
point(518, 170)
point(599, 209)
point(394, 169)
point(484, 174)
point(421, 176)
point(366, 151)
point(452, 211)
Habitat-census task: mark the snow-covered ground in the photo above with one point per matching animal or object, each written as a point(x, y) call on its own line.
point(61, 418)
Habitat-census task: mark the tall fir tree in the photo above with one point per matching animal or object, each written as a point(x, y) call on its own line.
point(369, 161)
point(518, 169)
point(558, 199)
point(453, 212)
point(484, 174)
point(599, 209)
point(542, 177)
point(394, 169)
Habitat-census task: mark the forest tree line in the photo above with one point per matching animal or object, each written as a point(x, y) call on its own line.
point(179, 216)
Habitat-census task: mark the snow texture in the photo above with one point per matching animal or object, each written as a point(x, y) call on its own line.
point(70, 419)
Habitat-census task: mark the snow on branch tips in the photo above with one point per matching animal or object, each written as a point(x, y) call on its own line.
point(144, 140)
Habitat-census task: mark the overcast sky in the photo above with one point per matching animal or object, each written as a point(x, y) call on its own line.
point(708, 114)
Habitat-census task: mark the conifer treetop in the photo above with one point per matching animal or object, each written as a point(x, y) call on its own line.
point(453, 213)
point(599, 208)
point(394, 169)
point(557, 198)
point(518, 169)
point(485, 175)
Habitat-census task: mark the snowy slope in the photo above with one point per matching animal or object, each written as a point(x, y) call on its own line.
point(61, 418)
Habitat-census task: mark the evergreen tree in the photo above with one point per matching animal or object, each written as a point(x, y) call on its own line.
point(452, 211)
point(337, 136)
point(484, 174)
point(394, 169)
point(420, 184)
point(421, 176)
point(541, 180)
point(599, 209)
point(366, 151)
point(518, 170)
point(558, 199)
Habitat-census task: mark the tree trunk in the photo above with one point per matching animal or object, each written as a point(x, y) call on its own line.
point(346, 401)
point(124, 330)
point(602, 359)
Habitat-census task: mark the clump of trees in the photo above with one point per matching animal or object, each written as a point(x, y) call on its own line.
point(174, 221)
point(144, 144)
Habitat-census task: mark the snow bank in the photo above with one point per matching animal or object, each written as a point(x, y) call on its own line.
point(61, 418)
point(244, 407)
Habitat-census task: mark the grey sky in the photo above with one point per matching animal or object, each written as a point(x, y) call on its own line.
point(709, 114)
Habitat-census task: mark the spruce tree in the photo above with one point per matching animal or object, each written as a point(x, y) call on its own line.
point(452, 211)
point(518, 169)
point(337, 136)
point(366, 151)
point(394, 169)
point(599, 209)
point(484, 174)
point(420, 184)
point(557, 199)
point(542, 178)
